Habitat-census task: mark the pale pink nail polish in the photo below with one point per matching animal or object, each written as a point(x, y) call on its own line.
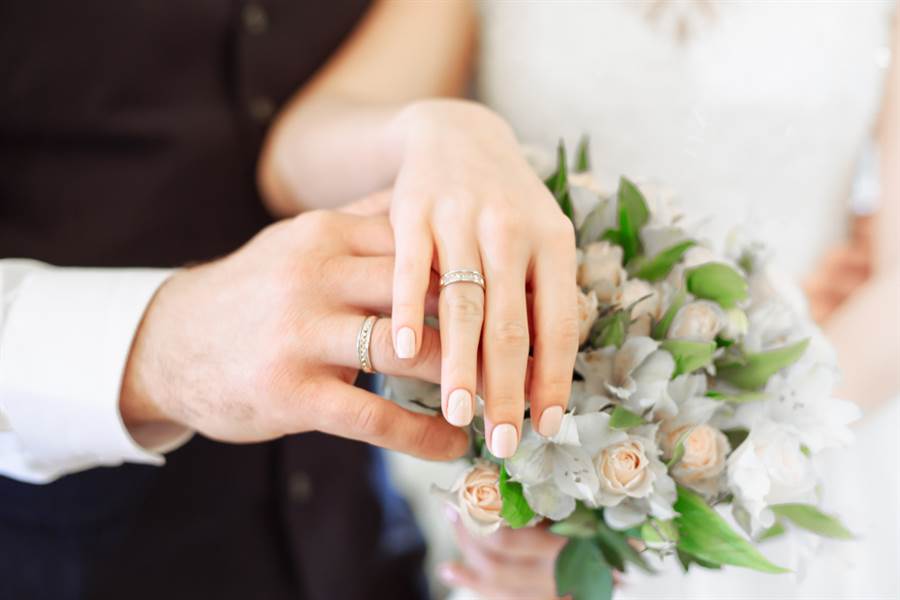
point(551, 419)
point(405, 344)
point(459, 408)
point(504, 440)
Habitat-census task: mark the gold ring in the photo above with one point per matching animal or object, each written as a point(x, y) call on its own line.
point(462, 276)
point(364, 343)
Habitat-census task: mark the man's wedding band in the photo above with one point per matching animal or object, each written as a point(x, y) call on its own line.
point(462, 276)
point(364, 344)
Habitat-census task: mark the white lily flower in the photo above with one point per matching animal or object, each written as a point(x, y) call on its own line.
point(641, 374)
point(413, 394)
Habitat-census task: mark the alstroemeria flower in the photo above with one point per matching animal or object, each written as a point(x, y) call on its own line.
point(556, 472)
point(640, 375)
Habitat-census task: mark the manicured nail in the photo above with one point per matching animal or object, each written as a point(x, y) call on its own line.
point(406, 343)
point(459, 408)
point(550, 421)
point(504, 440)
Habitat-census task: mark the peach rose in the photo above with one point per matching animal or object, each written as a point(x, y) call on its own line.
point(705, 450)
point(643, 313)
point(478, 498)
point(700, 320)
point(601, 269)
point(623, 470)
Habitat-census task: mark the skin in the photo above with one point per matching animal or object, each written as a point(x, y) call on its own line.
point(285, 367)
point(463, 197)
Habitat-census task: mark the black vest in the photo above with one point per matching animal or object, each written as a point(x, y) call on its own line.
point(129, 132)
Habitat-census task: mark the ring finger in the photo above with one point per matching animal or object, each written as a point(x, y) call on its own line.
point(461, 313)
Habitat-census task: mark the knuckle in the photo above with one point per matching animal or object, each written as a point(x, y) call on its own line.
point(369, 420)
point(554, 390)
point(566, 332)
point(510, 332)
point(503, 224)
point(465, 308)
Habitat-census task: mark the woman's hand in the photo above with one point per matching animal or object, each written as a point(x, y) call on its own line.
point(511, 563)
point(465, 198)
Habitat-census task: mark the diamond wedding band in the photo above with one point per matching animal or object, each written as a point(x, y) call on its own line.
point(364, 343)
point(462, 276)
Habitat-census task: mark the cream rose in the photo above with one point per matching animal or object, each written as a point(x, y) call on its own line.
point(700, 320)
point(705, 450)
point(623, 470)
point(643, 313)
point(601, 270)
point(478, 499)
point(587, 314)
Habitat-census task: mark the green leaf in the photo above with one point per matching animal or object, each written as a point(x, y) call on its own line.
point(738, 398)
point(583, 155)
point(515, 510)
point(678, 450)
point(616, 549)
point(758, 368)
point(582, 571)
point(659, 535)
point(611, 236)
point(622, 418)
point(717, 282)
point(704, 534)
point(736, 437)
point(558, 183)
point(610, 330)
point(633, 214)
point(661, 328)
point(687, 560)
point(659, 266)
point(689, 355)
point(812, 519)
point(592, 227)
point(580, 524)
point(772, 532)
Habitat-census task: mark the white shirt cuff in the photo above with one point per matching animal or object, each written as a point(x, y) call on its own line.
point(63, 349)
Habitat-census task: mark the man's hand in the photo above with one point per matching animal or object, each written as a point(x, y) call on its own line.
point(262, 343)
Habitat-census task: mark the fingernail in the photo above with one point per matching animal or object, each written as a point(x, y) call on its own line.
point(550, 421)
point(459, 408)
point(406, 343)
point(504, 440)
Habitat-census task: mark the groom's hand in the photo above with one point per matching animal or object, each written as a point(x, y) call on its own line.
point(262, 343)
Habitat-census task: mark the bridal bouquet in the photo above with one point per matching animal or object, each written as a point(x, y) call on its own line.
point(700, 383)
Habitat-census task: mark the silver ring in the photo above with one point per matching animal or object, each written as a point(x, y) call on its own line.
point(364, 344)
point(462, 276)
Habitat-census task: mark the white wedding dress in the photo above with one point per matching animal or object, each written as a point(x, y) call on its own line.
point(756, 114)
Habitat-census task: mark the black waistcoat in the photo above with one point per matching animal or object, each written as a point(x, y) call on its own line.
point(129, 131)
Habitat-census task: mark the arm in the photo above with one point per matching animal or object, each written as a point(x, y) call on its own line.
point(349, 119)
point(65, 335)
point(866, 329)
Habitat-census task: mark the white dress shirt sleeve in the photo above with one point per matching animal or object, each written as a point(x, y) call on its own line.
point(65, 336)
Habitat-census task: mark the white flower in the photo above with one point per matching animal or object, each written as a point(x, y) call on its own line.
point(557, 471)
point(768, 468)
point(736, 324)
point(644, 312)
point(413, 394)
point(700, 321)
point(633, 481)
point(601, 269)
point(475, 496)
point(587, 314)
point(640, 375)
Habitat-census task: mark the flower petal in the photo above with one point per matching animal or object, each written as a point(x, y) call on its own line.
point(548, 501)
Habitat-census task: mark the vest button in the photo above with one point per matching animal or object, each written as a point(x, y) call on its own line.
point(261, 109)
point(299, 487)
point(255, 19)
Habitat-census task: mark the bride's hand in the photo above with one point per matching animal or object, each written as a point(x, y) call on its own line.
point(465, 192)
point(511, 563)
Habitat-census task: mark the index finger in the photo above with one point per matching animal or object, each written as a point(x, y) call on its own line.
point(350, 412)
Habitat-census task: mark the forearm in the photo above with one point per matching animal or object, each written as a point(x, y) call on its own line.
point(866, 332)
point(326, 151)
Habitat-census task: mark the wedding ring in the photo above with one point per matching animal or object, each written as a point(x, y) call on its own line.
point(462, 276)
point(364, 343)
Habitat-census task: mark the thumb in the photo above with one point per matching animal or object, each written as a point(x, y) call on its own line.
point(376, 204)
